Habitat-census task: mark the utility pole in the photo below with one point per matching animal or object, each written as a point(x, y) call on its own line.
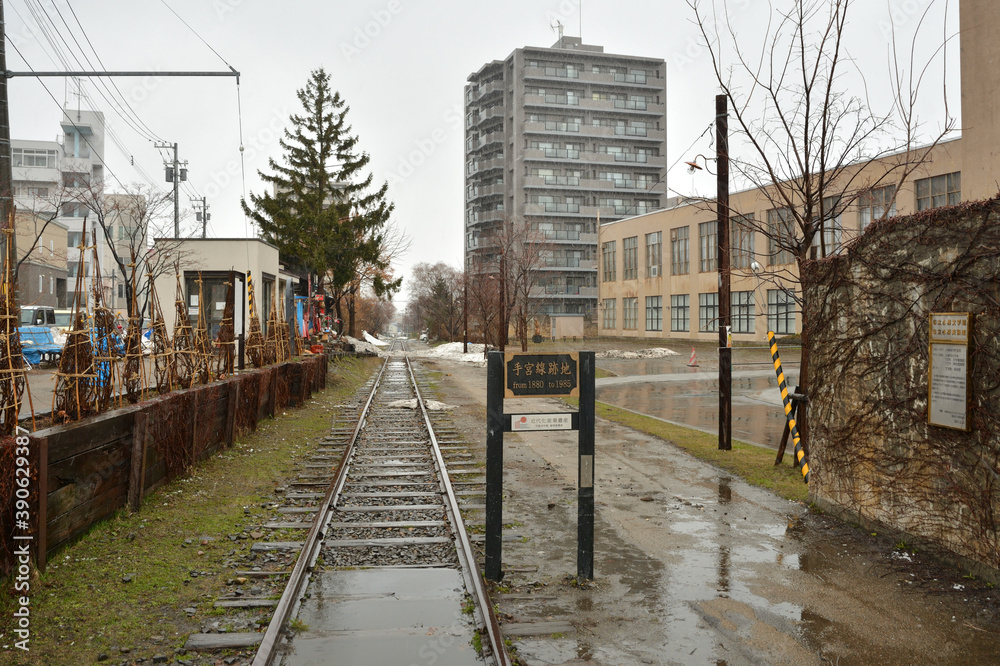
point(202, 214)
point(6, 173)
point(722, 203)
point(175, 173)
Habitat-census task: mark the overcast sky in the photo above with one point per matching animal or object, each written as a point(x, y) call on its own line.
point(400, 65)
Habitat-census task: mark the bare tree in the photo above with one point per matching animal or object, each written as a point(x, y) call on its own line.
point(812, 149)
point(128, 221)
point(375, 313)
point(371, 277)
point(484, 300)
point(436, 291)
point(523, 250)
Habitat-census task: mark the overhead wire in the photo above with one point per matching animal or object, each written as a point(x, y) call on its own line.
point(101, 63)
point(112, 103)
point(54, 53)
point(56, 101)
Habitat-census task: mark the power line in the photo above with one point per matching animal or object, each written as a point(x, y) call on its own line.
point(199, 37)
point(101, 63)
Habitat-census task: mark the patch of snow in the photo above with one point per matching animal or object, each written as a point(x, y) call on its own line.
point(432, 405)
point(373, 340)
point(656, 352)
point(452, 351)
point(362, 346)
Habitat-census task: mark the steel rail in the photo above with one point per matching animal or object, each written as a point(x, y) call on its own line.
point(473, 578)
point(289, 601)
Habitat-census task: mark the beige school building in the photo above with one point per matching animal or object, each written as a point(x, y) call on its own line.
point(658, 276)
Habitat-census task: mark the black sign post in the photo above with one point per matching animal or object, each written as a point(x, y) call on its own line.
point(494, 464)
point(515, 375)
point(585, 485)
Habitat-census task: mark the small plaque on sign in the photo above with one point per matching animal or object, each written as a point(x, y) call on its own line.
point(948, 370)
point(541, 375)
point(525, 422)
point(586, 471)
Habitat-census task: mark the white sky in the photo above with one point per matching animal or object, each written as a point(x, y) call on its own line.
point(400, 65)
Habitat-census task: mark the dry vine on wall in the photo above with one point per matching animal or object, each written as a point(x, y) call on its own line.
point(872, 449)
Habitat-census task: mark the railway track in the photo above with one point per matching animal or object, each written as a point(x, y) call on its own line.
point(370, 541)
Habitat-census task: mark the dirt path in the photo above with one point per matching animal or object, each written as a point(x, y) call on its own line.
point(693, 565)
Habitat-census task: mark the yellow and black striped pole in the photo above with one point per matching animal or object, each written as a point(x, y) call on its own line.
point(800, 454)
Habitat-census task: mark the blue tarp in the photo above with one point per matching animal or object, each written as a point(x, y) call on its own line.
point(37, 344)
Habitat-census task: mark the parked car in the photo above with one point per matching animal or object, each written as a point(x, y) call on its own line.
point(38, 315)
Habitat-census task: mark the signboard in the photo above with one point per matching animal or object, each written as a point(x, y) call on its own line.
point(526, 422)
point(541, 375)
point(948, 371)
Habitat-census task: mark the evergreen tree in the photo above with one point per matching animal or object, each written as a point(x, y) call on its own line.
point(323, 214)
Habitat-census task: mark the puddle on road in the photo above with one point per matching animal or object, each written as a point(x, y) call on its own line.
point(696, 403)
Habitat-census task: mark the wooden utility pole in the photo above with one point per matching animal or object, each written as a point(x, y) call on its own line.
point(722, 203)
point(6, 168)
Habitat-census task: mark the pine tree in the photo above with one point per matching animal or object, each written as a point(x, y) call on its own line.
point(324, 214)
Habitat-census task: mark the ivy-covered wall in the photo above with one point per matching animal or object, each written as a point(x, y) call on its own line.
point(872, 453)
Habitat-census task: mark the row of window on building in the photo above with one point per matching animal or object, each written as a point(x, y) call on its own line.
point(930, 193)
point(781, 307)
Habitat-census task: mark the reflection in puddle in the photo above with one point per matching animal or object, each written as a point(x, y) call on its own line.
point(757, 416)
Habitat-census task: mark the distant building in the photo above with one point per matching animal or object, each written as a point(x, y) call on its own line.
point(41, 253)
point(658, 271)
point(559, 138)
point(49, 175)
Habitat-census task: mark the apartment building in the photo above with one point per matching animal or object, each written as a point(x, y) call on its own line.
point(659, 277)
point(561, 139)
point(41, 256)
point(49, 177)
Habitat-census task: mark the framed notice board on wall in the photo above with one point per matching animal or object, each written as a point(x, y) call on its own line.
point(948, 370)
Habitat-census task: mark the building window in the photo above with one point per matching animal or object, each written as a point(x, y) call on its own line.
point(741, 245)
point(781, 311)
point(828, 242)
point(876, 203)
point(121, 291)
point(680, 312)
point(37, 158)
point(610, 316)
point(708, 312)
point(780, 232)
point(654, 254)
point(41, 284)
point(74, 179)
point(630, 258)
point(937, 191)
point(654, 313)
point(680, 251)
point(74, 209)
point(52, 285)
point(708, 234)
point(742, 312)
point(630, 313)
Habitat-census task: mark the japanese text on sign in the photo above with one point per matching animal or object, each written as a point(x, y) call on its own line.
point(541, 375)
point(950, 327)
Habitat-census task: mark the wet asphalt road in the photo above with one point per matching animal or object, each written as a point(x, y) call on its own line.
point(694, 566)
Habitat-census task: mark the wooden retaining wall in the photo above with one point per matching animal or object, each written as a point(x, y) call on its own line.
point(96, 466)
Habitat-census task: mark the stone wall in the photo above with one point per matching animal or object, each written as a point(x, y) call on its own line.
point(873, 455)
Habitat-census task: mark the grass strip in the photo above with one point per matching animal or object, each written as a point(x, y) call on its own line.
point(754, 464)
point(126, 582)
